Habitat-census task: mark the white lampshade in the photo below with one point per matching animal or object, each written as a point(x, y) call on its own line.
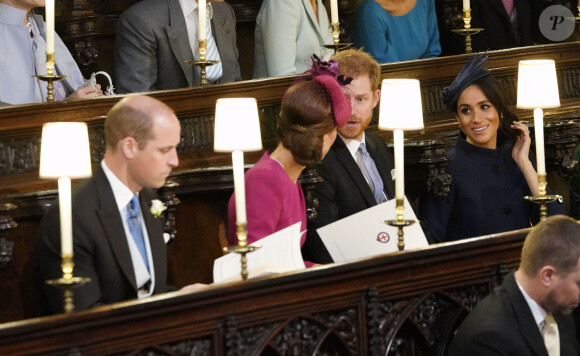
point(401, 105)
point(64, 150)
point(237, 125)
point(537, 84)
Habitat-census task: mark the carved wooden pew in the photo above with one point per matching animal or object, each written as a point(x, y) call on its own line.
point(405, 303)
point(204, 177)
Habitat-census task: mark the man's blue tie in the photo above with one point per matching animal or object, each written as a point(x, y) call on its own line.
point(134, 223)
point(369, 170)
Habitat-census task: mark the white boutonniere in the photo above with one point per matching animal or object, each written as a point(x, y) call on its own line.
point(157, 208)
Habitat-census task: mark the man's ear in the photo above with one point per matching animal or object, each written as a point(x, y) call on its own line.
point(129, 147)
point(547, 275)
point(376, 97)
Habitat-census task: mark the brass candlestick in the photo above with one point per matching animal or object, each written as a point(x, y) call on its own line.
point(542, 198)
point(242, 248)
point(50, 76)
point(400, 223)
point(336, 40)
point(467, 31)
point(68, 282)
point(203, 62)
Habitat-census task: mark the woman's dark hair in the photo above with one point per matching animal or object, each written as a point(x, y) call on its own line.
point(494, 93)
point(305, 117)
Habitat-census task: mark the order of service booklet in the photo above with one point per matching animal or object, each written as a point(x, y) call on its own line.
point(364, 234)
point(279, 252)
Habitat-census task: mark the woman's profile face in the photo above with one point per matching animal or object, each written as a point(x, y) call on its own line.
point(478, 117)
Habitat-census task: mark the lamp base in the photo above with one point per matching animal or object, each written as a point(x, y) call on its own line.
point(242, 250)
point(468, 33)
point(50, 79)
point(543, 200)
point(202, 64)
point(400, 224)
point(67, 284)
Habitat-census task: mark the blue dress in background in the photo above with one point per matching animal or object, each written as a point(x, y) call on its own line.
point(391, 38)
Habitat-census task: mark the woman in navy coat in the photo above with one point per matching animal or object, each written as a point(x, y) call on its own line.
point(491, 165)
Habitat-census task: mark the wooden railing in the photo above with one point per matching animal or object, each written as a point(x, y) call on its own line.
point(406, 303)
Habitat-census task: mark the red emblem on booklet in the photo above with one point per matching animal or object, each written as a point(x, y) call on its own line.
point(383, 237)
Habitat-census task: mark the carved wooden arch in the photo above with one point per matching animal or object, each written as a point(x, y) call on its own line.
point(305, 335)
point(411, 323)
point(330, 333)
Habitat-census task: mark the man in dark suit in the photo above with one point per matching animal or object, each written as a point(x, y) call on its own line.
point(517, 318)
point(346, 190)
point(141, 135)
point(155, 37)
point(505, 26)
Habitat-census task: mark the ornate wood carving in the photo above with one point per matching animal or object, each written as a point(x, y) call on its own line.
point(308, 181)
point(561, 143)
point(170, 201)
point(6, 225)
point(406, 303)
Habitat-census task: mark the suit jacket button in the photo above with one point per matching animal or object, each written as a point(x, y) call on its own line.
point(507, 210)
point(496, 169)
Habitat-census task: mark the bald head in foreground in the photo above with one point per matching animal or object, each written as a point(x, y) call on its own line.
point(118, 239)
point(530, 313)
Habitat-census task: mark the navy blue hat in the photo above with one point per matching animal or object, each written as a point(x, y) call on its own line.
point(472, 71)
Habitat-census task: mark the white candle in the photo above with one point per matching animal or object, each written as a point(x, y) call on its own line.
point(202, 14)
point(65, 206)
point(399, 164)
point(239, 186)
point(539, 132)
point(49, 26)
point(466, 5)
point(334, 11)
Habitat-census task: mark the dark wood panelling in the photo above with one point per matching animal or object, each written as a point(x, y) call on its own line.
point(405, 303)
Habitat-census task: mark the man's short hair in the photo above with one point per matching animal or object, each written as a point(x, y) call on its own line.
point(130, 119)
point(554, 242)
point(356, 62)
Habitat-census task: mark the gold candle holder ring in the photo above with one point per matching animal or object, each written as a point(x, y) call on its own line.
point(50, 77)
point(242, 248)
point(467, 31)
point(68, 282)
point(400, 222)
point(542, 198)
point(203, 62)
point(336, 45)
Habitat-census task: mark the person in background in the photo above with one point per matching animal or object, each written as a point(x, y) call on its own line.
point(506, 24)
point(288, 33)
point(23, 55)
point(311, 111)
point(118, 240)
point(346, 189)
point(393, 31)
point(529, 314)
point(156, 37)
point(491, 165)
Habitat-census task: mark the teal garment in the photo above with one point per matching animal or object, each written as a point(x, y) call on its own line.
point(575, 189)
point(391, 38)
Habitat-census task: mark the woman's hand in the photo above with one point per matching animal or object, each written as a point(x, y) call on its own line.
point(521, 154)
point(521, 149)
